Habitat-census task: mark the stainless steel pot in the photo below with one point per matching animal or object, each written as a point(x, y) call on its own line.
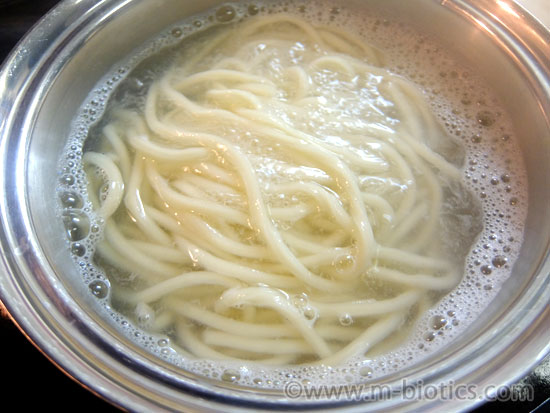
point(55, 67)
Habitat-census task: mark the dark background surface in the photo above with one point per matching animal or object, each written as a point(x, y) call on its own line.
point(29, 380)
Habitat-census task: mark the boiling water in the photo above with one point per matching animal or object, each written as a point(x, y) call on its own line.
point(493, 170)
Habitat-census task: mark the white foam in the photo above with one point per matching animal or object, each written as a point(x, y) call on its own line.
point(493, 170)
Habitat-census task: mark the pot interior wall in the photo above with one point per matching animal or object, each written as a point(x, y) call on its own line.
point(85, 57)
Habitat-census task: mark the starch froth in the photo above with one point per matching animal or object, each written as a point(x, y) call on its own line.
point(493, 170)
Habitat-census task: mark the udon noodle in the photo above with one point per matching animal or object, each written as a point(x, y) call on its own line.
point(278, 199)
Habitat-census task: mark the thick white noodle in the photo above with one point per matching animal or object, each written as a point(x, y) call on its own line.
point(255, 235)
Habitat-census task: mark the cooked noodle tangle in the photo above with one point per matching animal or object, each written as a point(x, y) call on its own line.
point(276, 200)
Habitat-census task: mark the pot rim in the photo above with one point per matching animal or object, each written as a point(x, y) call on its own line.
point(66, 335)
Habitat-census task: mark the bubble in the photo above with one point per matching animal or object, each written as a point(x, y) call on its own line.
point(476, 138)
point(499, 261)
point(437, 322)
point(429, 336)
point(225, 14)
point(78, 249)
point(230, 376)
point(310, 313)
point(71, 200)
point(300, 300)
point(76, 224)
point(513, 201)
point(99, 289)
point(365, 371)
point(485, 118)
point(346, 319)
point(163, 342)
point(253, 10)
point(486, 269)
point(176, 32)
point(343, 263)
point(144, 314)
point(67, 180)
